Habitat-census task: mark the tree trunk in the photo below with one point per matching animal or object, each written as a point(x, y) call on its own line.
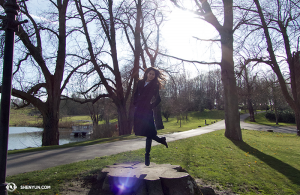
point(131, 114)
point(157, 116)
point(180, 121)
point(50, 124)
point(148, 180)
point(276, 114)
point(123, 121)
point(296, 62)
point(249, 97)
point(251, 110)
point(232, 117)
point(297, 120)
point(107, 120)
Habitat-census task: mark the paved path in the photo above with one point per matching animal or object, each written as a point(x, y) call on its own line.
point(265, 127)
point(31, 161)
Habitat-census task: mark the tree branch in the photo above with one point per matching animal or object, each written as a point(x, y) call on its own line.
point(26, 96)
point(36, 88)
point(189, 61)
point(86, 100)
point(213, 40)
point(20, 62)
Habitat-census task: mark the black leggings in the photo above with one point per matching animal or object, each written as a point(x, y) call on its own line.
point(156, 138)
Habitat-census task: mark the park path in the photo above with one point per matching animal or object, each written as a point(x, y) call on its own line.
point(32, 161)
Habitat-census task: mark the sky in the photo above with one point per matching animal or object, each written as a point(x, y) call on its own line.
point(178, 37)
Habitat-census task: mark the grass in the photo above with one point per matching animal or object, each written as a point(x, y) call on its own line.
point(195, 119)
point(23, 117)
point(262, 120)
point(265, 163)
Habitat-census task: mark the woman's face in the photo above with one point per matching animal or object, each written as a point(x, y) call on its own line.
point(150, 75)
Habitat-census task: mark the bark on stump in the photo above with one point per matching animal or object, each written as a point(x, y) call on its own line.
point(156, 179)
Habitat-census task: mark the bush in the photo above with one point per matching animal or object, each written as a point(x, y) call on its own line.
point(105, 130)
point(285, 116)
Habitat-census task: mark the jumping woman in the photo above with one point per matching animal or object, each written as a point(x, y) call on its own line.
point(146, 97)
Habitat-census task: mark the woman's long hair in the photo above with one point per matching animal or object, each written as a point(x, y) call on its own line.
point(159, 77)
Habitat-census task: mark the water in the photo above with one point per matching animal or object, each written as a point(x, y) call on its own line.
point(24, 137)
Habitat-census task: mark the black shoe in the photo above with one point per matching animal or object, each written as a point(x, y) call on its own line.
point(164, 142)
point(147, 159)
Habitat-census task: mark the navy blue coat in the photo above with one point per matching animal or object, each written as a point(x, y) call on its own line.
point(145, 99)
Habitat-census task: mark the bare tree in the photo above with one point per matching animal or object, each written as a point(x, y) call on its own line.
point(147, 18)
point(281, 31)
point(105, 14)
point(277, 100)
point(40, 74)
point(246, 90)
point(205, 12)
point(262, 93)
point(113, 18)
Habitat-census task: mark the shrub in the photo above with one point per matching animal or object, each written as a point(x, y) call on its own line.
point(105, 130)
point(285, 116)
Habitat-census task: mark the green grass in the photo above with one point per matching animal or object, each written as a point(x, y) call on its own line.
point(195, 119)
point(21, 117)
point(262, 120)
point(265, 163)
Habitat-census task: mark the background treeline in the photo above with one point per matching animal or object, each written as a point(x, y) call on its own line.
point(181, 95)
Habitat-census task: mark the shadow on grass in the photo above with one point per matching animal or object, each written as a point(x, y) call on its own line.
point(290, 172)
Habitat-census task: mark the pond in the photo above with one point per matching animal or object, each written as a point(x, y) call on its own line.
point(24, 137)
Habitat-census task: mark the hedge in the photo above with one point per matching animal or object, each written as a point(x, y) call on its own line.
point(283, 116)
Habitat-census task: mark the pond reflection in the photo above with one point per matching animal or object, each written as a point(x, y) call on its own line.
point(24, 137)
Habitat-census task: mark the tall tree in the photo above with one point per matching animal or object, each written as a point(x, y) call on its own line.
point(44, 64)
point(282, 20)
point(147, 18)
point(204, 11)
point(130, 16)
point(105, 14)
point(127, 16)
point(246, 90)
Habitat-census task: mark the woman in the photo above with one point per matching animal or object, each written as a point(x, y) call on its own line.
point(146, 97)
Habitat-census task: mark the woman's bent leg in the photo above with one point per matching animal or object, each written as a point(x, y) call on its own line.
point(160, 140)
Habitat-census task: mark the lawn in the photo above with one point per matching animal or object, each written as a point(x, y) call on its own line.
point(265, 163)
point(194, 120)
point(24, 117)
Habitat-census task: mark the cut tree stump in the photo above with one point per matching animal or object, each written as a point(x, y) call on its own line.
point(156, 179)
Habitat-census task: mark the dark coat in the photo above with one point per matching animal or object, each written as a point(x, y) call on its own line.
point(143, 102)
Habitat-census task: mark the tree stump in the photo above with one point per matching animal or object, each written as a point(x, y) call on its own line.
point(156, 179)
